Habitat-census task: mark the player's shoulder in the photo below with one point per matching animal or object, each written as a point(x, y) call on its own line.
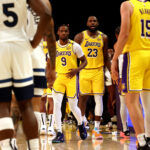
point(79, 37)
point(74, 43)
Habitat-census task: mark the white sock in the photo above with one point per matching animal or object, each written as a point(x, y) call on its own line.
point(38, 117)
point(75, 109)
point(33, 144)
point(145, 97)
point(123, 113)
point(97, 124)
point(51, 120)
point(7, 144)
point(57, 97)
point(141, 139)
point(43, 118)
point(84, 119)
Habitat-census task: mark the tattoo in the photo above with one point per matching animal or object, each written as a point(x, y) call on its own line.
point(78, 38)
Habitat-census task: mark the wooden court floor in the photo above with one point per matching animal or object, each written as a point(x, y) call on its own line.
point(73, 142)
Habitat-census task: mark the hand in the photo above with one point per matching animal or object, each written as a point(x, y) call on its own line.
point(72, 73)
point(51, 77)
point(114, 71)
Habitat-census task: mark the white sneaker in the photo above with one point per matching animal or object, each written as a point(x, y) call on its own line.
point(43, 130)
point(51, 131)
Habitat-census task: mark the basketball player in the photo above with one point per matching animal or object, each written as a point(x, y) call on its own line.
point(66, 67)
point(47, 100)
point(39, 64)
point(134, 42)
point(94, 44)
point(123, 107)
point(16, 67)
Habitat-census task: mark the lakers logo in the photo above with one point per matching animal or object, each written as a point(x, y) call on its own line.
point(68, 48)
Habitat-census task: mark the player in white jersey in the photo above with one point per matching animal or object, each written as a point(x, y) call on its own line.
point(16, 67)
point(39, 64)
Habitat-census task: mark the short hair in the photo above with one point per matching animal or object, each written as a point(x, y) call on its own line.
point(117, 30)
point(66, 25)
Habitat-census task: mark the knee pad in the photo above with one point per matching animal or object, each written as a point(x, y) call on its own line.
point(98, 105)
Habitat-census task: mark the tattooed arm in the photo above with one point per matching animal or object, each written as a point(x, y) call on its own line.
point(78, 38)
point(105, 52)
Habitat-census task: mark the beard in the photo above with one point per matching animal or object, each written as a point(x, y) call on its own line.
point(92, 30)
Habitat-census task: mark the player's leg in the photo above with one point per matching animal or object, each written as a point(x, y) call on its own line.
point(85, 90)
point(50, 114)
point(39, 64)
point(132, 83)
point(124, 119)
point(58, 97)
point(71, 92)
point(77, 113)
point(43, 128)
point(98, 90)
point(6, 123)
point(145, 96)
point(23, 89)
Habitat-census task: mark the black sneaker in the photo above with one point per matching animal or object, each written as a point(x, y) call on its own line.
point(59, 138)
point(145, 147)
point(127, 133)
point(82, 130)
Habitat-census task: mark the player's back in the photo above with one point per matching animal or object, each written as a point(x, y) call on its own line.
point(139, 36)
point(13, 20)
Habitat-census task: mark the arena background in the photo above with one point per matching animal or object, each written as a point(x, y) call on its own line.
point(75, 13)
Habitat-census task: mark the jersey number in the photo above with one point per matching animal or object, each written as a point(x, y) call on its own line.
point(10, 13)
point(63, 60)
point(145, 25)
point(90, 52)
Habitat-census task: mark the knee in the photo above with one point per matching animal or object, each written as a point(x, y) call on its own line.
point(25, 105)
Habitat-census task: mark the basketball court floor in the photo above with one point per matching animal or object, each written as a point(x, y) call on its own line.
point(73, 142)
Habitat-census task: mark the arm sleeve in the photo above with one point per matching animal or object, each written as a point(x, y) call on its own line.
point(77, 50)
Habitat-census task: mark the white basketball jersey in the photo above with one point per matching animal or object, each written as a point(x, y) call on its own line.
point(32, 23)
point(13, 19)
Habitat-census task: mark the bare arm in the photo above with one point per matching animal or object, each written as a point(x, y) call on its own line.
point(126, 12)
point(78, 38)
point(83, 63)
point(51, 43)
point(105, 48)
point(44, 10)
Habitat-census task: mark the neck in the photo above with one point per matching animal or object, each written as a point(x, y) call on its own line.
point(63, 42)
point(94, 33)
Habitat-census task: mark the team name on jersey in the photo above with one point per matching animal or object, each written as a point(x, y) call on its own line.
point(92, 44)
point(144, 11)
point(63, 53)
point(36, 17)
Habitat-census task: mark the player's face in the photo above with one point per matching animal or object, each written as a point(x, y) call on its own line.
point(63, 33)
point(92, 23)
